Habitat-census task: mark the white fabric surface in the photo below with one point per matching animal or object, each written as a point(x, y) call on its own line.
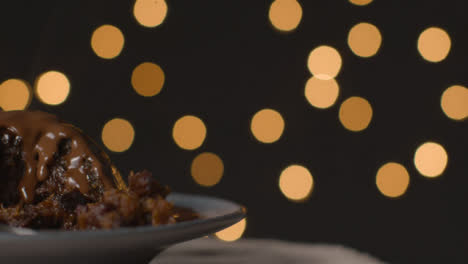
point(208, 250)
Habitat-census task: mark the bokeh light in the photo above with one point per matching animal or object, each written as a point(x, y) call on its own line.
point(454, 102)
point(324, 62)
point(118, 135)
point(15, 94)
point(52, 87)
point(434, 44)
point(207, 169)
point(360, 2)
point(430, 159)
point(267, 125)
point(296, 183)
point(364, 39)
point(285, 15)
point(107, 41)
point(189, 132)
point(148, 79)
point(355, 113)
point(392, 179)
point(321, 93)
point(150, 13)
point(233, 232)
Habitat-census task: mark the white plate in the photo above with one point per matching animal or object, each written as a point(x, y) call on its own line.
point(136, 245)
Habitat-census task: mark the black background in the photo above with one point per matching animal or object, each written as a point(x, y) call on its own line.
point(223, 62)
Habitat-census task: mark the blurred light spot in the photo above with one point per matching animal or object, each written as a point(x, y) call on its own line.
point(15, 94)
point(207, 169)
point(321, 93)
point(52, 87)
point(285, 15)
point(150, 13)
point(355, 113)
point(324, 62)
point(267, 125)
point(107, 41)
point(189, 132)
point(454, 102)
point(118, 135)
point(434, 44)
point(148, 79)
point(430, 159)
point(360, 2)
point(392, 179)
point(296, 183)
point(233, 232)
point(364, 39)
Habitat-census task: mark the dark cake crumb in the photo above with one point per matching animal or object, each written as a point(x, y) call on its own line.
point(143, 203)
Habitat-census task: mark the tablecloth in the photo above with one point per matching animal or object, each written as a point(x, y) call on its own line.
point(258, 251)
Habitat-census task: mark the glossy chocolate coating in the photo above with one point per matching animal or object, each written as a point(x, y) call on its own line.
point(40, 135)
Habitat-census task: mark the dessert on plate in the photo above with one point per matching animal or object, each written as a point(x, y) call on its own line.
point(54, 176)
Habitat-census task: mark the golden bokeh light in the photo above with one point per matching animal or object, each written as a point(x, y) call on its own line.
point(360, 2)
point(189, 132)
point(355, 113)
point(15, 94)
point(296, 183)
point(233, 232)
point(107, 41)
point(148, 79)
point(324, 62)
point(285, 15)
point(207, 169)
point(321, 93)
point(267, 125)
point(52, 87)
point(364, 39)
point(118, 135)
point(454, 102)
point(434, 44)
point(150, 13)
point(430, 159)
point(392, 179)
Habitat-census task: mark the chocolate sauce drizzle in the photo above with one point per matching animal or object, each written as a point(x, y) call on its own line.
point(41, 134)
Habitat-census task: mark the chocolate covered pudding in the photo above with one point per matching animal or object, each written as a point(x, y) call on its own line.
point(53, 176)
